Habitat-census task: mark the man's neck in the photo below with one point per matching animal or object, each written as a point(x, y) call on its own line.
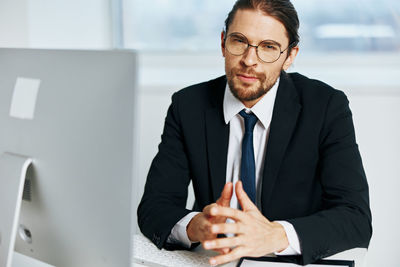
point(251, 103)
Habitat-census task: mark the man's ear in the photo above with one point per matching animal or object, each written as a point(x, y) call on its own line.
point(290, 59)
point(223, 43)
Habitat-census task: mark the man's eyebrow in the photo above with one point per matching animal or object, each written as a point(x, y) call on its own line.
point(238, 34)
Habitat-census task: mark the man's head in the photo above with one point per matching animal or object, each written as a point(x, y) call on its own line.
point(253, 71)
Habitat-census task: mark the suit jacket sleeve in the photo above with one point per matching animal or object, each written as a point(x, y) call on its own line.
point(345, 220)
point(164, 199)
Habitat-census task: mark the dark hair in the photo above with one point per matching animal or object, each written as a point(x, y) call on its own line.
point(282, 10)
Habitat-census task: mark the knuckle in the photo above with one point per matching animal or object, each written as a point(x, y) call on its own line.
point(210, 206)
point(208, 227)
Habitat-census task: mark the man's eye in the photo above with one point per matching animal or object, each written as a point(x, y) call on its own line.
point(238, 40)
point(269, 47)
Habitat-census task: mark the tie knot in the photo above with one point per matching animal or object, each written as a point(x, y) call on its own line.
point(250, 120)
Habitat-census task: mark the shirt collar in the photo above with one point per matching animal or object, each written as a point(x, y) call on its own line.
point(263, 109)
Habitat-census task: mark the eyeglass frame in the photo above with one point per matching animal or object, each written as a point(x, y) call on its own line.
point(256, 46)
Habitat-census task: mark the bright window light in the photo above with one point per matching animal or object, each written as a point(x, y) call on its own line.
point(325, 25)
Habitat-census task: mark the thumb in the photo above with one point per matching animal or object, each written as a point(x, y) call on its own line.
point(244, 200)
point(226, 195)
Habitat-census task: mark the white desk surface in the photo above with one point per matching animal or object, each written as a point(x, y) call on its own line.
point(155, 257)
point(144, 250)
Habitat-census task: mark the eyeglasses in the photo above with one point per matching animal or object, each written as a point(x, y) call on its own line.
point(267, 51)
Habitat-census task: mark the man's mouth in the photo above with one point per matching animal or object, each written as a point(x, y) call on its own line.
point(247, 78)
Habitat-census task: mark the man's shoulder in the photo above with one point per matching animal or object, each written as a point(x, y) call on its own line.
point(313, 92)
point(304, 83)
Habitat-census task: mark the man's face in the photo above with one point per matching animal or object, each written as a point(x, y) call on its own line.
point(248, 77)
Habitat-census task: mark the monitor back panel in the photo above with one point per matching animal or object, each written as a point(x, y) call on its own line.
point(81, 142)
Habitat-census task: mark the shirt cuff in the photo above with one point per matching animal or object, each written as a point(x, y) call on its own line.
point(178, 233)
point(294, 243)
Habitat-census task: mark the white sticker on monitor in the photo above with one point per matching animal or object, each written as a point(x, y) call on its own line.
point(24, 98)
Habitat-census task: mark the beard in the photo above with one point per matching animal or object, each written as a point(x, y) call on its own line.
point(250, 91)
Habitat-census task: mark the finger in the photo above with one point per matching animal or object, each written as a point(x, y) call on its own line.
point(222, 250)
point(235, 214)
point(227, 228)
point(194, 228)
point(235, 254)
point(207, 209)
point(213, 218)
point(244, 200)
point(219, 243)
point(226, 195)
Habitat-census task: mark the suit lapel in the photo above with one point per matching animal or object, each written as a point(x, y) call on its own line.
point(284, 119)
point(217, 135)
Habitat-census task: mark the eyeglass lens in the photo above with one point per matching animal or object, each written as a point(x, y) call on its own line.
point(267, 51)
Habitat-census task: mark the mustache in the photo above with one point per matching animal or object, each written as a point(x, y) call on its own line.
point(249, 72)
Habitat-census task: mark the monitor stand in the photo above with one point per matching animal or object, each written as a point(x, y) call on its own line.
point(13, 169)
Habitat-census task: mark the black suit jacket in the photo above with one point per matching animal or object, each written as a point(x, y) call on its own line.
point(313, 175)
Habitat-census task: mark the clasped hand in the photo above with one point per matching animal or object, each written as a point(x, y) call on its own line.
point(254, 235)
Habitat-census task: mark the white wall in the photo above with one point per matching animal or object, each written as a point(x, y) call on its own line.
point(71, 24)
point(14, 28)
point(378, 131)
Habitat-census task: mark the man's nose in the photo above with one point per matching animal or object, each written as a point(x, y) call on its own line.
point(250, 57)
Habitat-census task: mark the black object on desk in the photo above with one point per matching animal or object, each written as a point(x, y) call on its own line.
point(346, 263)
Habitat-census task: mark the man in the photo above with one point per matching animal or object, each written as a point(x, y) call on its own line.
point(283, 145)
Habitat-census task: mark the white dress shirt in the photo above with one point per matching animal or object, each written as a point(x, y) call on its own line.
point(263, 111)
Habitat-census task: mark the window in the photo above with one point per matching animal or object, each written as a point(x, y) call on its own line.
point(174, 24)
point(325, 25)
point(349, 25)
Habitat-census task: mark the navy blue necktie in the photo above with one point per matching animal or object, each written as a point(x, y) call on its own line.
point(248, 166)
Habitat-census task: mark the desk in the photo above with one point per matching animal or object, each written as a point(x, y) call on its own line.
point(145, 254)
point(145, 251)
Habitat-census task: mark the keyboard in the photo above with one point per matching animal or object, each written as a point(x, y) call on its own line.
point(146, 253)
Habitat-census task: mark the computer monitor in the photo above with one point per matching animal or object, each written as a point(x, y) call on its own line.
point(76, 123)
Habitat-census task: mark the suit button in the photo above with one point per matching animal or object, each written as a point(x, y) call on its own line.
point(316, 257)
point(156, 239)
